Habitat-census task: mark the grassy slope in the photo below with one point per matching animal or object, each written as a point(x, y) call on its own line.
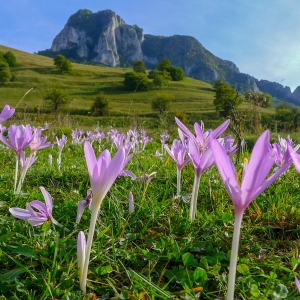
point(86, 81)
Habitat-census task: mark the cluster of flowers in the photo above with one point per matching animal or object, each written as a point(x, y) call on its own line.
point(203, 149)
point(135, 139)
point(206, 148)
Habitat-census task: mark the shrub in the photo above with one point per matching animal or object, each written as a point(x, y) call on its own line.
point(135, 81)
point(100, 106)
point(5, 74)
point(56, 100)
point(10, 58)
point(162, 103)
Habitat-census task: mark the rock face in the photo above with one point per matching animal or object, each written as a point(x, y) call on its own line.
point(101, 38)
point(105, 38)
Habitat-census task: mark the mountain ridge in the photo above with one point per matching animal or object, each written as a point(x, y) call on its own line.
point(105, 38)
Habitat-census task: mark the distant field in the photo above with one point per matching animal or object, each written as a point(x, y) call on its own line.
point(86, 82)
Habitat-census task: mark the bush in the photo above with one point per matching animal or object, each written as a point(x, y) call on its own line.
point(139, 66)
point(5, 74)
point(135, 81)
point(63, 64)
point(10, 58)
point(176, 73)
point(100, 106)
point(56, 100)
point(162, 103)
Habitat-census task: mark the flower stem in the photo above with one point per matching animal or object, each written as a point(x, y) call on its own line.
point(83, 278)
point(178, 182)
point(23, 174)
point(16, 173)
point(234, 254)
point(193, 205)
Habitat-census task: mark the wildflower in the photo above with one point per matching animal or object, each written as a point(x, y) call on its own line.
point(37, 213)
point(178, 152)
point(6, 113)
point(19, 137)
point(282, 154)
point(60, 143)
point(103, 171)
point(242, 193)
point(200, 152)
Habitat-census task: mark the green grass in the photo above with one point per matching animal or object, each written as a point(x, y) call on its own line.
point(157, 250)
point(192, 97)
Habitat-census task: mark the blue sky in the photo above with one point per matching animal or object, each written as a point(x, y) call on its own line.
point(262, 37)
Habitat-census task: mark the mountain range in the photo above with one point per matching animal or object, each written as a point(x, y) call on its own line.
point(105, 38)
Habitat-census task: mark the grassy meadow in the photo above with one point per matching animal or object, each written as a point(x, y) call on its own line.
point(191, 97)
point(156, 252)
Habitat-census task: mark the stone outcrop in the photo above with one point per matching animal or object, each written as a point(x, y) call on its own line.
point(112, 38)
point(104, 37)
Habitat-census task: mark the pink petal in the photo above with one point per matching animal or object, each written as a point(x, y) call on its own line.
point(90, 157)
point(259, 166)
point(227, 171)
point(20, 213)
point(48, 200)
point(36, 221)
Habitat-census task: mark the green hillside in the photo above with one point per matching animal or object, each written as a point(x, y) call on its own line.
point(193, 97)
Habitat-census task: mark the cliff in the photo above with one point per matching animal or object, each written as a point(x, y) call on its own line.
point(105, 38)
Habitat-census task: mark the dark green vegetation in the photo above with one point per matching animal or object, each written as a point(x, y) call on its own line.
point(157, 250)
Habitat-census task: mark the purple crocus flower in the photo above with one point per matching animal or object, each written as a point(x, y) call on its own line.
point(6, 113)
point(38, 212)
point(282, 155)
point(203, 138)
point(103, 172)
point(242, 193)
point(19, 137)
point(61, 142)
point(38, 142)
point(178, 152)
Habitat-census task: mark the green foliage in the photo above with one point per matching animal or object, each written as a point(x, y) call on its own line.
point(159, 80)
point(176, 73)
point(10, 58)
point(162, 103)
point(226, 98)
point(135, 81)
point(63, 64)
point(164, 65)
point(5, 74)
point(56, 99)
point(139, 66)
point(288, 117)
point(100, 106)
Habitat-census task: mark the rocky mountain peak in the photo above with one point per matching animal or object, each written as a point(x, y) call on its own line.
point(104, 37)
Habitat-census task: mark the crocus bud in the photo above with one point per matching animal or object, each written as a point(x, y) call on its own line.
point(81, 245)
point(131, 203)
